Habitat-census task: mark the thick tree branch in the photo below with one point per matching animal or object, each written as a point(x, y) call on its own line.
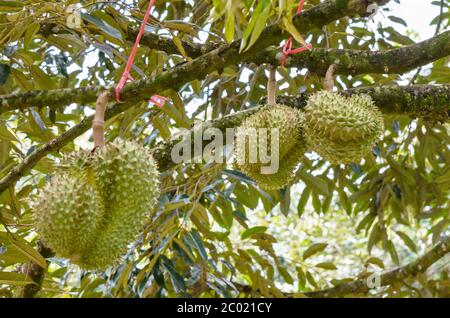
point(418, 100)
point(317, 60)
point(214, 60)
point(355, 62)
point(430, 102)
point(360, 286)
point(425, 101)
point(420, 265)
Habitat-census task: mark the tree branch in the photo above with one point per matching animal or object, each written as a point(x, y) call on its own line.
point(425, 101)
point(348, 62)
point(214, 60)
point(420, 265)
point(360, 286)
point(355, 62)
point(431, 102)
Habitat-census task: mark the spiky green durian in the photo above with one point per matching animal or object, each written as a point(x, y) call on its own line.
point(289, 124)
point(68, 214)
point(97, 204)
point(127, 180)
point(342, 129)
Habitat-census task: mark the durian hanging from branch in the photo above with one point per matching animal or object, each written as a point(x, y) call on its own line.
point(269, 144)
point(98, 202)
point(341, 129)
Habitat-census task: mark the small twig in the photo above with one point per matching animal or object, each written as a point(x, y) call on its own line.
point(98, 123)
point(272, 86)
point(328, 83)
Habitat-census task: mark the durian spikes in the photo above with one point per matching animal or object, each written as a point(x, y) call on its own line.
point(291, 146)
point(342, 129)
point(96, 204)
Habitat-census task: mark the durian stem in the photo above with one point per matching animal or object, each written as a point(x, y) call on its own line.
point(98, 123)
point(328, 83)
point(272, 86)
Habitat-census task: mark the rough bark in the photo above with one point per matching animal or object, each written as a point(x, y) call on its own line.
point(355, 62)
point(430, 102)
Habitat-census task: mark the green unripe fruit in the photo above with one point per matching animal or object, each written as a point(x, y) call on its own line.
point(342, 129)
point(96, 205)
point(288, 122)
point(68, 215)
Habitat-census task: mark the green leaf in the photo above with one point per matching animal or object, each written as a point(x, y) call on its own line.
point(317, 205)
point(42, 80)
point(260, 25)
point(407, 240)
point(290, 27)
point(393, 252)
point(102, 25)
point(16, 279)
point(327, 266)
point(6, 134)
point(253, 230)
point(313, 249)
point(251, 25)
point(198, 244)
point(397, 20)
point(176, 40)
point(311, 279)
point(11, 6)
point(303, 201)
point(402, 172)
point(4, 73)
point(229, 22)
point(317, 184)
point(285, 201)
point(32, 29)
point(285, 274)
point(375, 261)
point(301, 277)
point(176, 279)
point(28, 251)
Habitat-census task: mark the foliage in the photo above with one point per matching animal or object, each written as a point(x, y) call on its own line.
point(215, 231)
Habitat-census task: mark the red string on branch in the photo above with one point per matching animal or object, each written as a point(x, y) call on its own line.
point(156, 99)
point(287, 48)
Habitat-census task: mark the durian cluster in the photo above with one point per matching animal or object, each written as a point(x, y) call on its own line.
point(96, 204)
point(291, 146)
point(340, 129)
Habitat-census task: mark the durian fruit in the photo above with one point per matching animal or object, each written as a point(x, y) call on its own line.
point(291, 146)
point(96, 204)
point(342, 129)
point(68, 215)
